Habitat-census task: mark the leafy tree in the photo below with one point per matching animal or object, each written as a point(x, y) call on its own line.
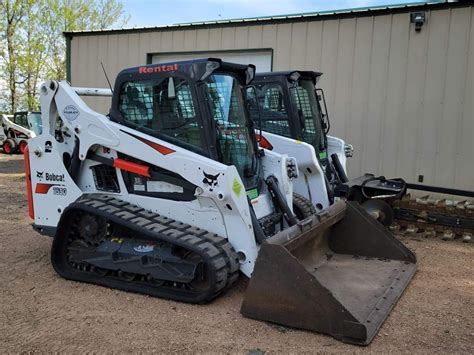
point(78, 15)
point(12, 14)
point(32, 47)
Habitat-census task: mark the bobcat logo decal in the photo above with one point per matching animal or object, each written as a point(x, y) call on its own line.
point(210, 180)
point(39, 174)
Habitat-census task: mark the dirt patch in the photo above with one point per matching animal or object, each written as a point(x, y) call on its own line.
point(39, 311)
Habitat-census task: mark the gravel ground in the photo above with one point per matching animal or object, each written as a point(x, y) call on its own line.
point(39, 311)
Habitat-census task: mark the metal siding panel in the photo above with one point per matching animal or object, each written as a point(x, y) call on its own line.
point(314, 46)
point(94, 63)
point(178, 41)
point(122, 54)
point(329, 65)
point(102, 55)
point(228, 38)
point(215, 38)
point(166, 44)
point(102, 104)
point(190, 40)
point(82, 75)
point(75, 58)
point(433, 94)
point(143, 45)
point(255, 37)
point(394, 93)
point(281, 60)
point(133, 50)
point(376, 92)
point(344, 69)
point(241, 37)
point(202, 39)
point(298, 45)
point(448, 132)
point(154, 41)
point(464, 178)
point(269, 36)
point(409, 124)
point(357, 125)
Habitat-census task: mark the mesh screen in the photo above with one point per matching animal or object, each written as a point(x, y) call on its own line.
point(105, 178)
point(147, 104)
point(309, 133)
point(273, 111)
point(228, 112)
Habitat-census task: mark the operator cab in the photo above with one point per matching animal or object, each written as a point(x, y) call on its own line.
point(291, 106)
point(283, 95)
point(29, 120)
point(162, 100)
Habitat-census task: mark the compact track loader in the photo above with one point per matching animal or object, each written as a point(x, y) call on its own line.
point(293, 115)
point(169, 195)
point(17, 129)
point(294, 118)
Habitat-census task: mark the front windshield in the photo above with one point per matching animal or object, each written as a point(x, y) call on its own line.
point(306, 102)
point(235, 145)
point(163, 108)
point(35, 122)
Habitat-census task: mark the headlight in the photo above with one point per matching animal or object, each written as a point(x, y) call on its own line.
point(291, 168)
point(348, 150)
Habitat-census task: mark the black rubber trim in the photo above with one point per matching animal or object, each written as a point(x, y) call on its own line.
point(45, 230)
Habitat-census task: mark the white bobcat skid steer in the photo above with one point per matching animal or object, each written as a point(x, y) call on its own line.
point(170, 196)
point(17, 129)
point(293, 117)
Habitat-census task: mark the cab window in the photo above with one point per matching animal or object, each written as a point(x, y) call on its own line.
point(307, 105)
point(21, 119)
point(161, 108)
point(274, 116)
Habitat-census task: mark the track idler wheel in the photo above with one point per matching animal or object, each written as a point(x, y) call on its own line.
point(92, 228)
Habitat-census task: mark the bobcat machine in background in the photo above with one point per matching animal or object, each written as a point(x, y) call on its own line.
point(18, 128)
point(169, 195)
point(293, 120)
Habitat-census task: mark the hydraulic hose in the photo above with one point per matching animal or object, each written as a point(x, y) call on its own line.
point(339, 169)
point(279, 200)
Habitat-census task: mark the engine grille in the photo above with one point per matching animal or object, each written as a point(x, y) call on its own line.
point(105, 178)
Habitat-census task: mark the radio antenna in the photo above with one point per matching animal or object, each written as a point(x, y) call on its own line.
point(106, 77)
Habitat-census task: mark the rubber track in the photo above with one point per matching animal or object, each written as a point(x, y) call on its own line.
point(215, 250)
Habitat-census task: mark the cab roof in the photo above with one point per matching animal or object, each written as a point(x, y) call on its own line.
point(196, 69)
point(288, 73)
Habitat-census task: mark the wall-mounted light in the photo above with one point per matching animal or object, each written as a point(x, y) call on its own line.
point(418, 18)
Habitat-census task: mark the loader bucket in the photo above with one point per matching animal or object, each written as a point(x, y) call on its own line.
point(339, 272)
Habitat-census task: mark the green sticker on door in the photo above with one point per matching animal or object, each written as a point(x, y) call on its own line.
point(236, 187)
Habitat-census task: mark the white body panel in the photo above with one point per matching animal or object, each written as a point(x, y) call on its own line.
point(310, 182)
point(223, 209)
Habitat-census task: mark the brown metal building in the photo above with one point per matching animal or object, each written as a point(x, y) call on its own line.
point(401, 92)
